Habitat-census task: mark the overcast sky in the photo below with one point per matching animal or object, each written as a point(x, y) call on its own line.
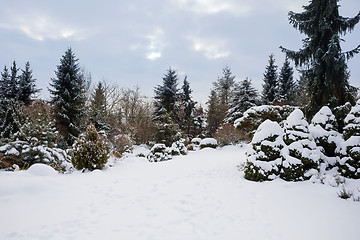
point(134, 42)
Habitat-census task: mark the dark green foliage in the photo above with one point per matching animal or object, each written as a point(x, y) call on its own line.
point(187, 106)
point(11, 122)
point(286, 91)
point(89, 152)
point(68, 96)
point(245, 97)
point(167, 96)
point(224, 88)
point(98, 108)
point(270, 85)
point(166, 130)
point(27, 86)
point(159, 153)
point(321, 57)
point(254, 116)
point(13, 84)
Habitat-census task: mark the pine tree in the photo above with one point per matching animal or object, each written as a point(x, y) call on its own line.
point(98, 108)
point(68, 96)
point(322, 55)
point(13, 85)
point(270, 86)
point(11, 122)
point(287, 85)
point(187, 106)
point(224, 88)
point(167, 96)
point(5, 79)
point(27, 86)
point(214, 113)
point(245, 97)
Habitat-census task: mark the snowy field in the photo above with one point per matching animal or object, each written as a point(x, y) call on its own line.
point(200, 196)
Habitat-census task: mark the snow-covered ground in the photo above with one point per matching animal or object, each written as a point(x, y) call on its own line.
point(200, 196)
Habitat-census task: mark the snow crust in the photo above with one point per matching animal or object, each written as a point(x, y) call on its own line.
point(208, 141)
point(40, 169)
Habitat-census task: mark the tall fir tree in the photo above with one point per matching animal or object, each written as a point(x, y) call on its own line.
point(245, 97)
point(187, 107)
point(13, 85)
point(270, 85)
point(98, 108)
point(68, 96)
point(322, 55)
point(167, 96)
point(27, 87)
point(4, 82)
point(287, 86)
point(214, 113)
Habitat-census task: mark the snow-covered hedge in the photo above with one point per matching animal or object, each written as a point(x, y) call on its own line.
point(159, 152)
point(298, 150)
point(208, 143)
point(254, 116)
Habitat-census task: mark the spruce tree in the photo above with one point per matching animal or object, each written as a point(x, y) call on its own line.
point(321, 54)
point(187, 106)
point(68, 96)
point(98, 107)
point(224, 88)
point(270, 86)
point(4, 81)
point(245, 97)
point(167, 96)
point(27, 86)
point(287, 87)
point(13, 85)
point(214, 113)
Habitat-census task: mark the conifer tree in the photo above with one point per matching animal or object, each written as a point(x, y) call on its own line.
point(11, 119)
point(321, 54)
point(270, 86)
point(286, 91)
point(167, 96)
point(214, 113)
point(245, 97)
point(68, 96)
point(13, 85)
point(187, 106)
point(27, 86)
point(4, 81)
point(98, 107)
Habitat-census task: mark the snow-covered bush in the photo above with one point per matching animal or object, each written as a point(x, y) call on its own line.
point(300, 153)
point(349, 149)
point(122, 143)
point(89, 151)
point(196, 141)
point(227, 134)
point(36, 140)
point(254, 116)
point(159, 152)
point(179, 148)
point(264, 152)
point(208, 143)
point(323, 129)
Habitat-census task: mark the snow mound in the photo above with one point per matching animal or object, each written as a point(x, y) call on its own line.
point(267, 129)
point(40, 169)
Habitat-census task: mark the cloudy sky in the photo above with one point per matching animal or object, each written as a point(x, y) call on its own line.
point(134, 42)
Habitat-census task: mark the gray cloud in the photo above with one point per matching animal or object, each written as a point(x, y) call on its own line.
point(134, 42)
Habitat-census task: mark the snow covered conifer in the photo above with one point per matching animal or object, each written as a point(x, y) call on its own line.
point(188, 107)
point(13, 84)
point(321, 55)
point(301, 154)
point(270, 85)
point(323, 128)
point(11, 121)
point(98, 108)
point(264, 152)
point(349, 150)
point(166, 130)
point(89, 151)
point(214, 115)
point(68, 96)
point(27, 86)
point(286, 91)
point(167, 96)
point(245, 97)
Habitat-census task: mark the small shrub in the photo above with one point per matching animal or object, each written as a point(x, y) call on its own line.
point(345, 194)
point(227, 134)
point(158, 153)
point(208, 143)
point(122, 143)
point(89, 151)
